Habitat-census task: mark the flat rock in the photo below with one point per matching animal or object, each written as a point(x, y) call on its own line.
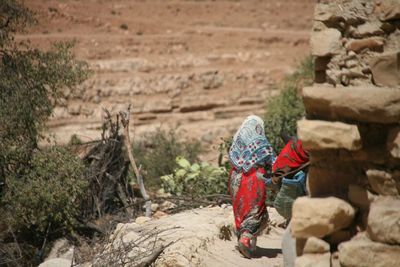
point(326, 43)
point(331, 215)
point(385, 69)
point(372, 44)
point(319, 135)
point(360, 103)
point(390, 10)
point(383, 183)
point(362, 252)
point(314, 260)
point(384, 220)
point(369, 29)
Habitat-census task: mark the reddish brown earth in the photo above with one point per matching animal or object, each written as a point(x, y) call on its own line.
point(195, 66)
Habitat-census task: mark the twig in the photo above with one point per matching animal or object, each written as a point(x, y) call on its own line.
point(125, 116)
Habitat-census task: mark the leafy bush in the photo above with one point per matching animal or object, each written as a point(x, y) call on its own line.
point(48, 193)
point(195, 179)
point(283, 110)
point(156, 153)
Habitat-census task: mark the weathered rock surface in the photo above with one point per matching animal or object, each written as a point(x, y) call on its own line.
point(372, 44)
point(362, 252)
point(331, 215)
point(384, 221)
point(362, 103)
point(385, 69)
point(316, 245)
point(56, 262)
point(319, 135)
point(393, 142)
point(314, 260)
point(326, 43)
point(383, 183)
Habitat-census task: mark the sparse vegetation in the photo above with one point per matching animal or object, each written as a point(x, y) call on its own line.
point(283, 110)
point(157, 151)
point(198, 179)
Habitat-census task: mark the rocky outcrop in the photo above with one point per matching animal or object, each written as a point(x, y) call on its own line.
point(352, 132)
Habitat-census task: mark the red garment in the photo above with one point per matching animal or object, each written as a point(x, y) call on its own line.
point(248, 198)
point(291, 157)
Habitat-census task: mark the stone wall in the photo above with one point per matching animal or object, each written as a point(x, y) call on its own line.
point(352, 130)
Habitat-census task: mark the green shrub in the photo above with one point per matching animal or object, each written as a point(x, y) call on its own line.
point(48, 193)
point(195, 179)
point(283, 110)
point(157, 151)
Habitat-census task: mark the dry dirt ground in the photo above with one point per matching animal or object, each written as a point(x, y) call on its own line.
point(195, 66)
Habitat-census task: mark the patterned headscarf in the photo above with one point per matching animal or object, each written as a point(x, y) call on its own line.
point(250, 146)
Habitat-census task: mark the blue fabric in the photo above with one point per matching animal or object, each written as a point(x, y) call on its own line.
point(250, 146)
point(298, 180)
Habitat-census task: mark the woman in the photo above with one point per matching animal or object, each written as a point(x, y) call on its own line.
point(251, 157)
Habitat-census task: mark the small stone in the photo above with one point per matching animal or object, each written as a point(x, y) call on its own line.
point(154, 207)
point(372, 43)
point(390, 10)
point(331, 215)
point(369, 29)
point(384, 220)
point(167, 205)
point(314, 260)
point(56, 262)
point(317, 135)
point(315, 245)
point(159, 214)
point(382, 182)
point(326, 43)
point(74, 109)
point(142, 220)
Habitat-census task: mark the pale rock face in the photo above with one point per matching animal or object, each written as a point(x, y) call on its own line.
point(382, 182)
point(319, 135)
point(142, 220)
point(362, 252)
point(326, 43)
point(319, 217)
point(361, 103)
point(56, 262)
point(316, 245)
point(384, 220)
point(385, 70)
point(314, 260)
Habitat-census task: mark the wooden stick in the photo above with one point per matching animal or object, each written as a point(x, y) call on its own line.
point(125, 116)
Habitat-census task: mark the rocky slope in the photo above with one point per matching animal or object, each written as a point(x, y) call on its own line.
point(195, 66)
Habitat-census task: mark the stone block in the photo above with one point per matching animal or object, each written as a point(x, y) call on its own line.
point(382, 182)
point(316, 245)
point(385, 69)
point(384, 220)
point(360, 103)
point(314, 260)
point(320, 135)
point(372, 44)
point(331, 215)
point(326, 43)
point(362, 252)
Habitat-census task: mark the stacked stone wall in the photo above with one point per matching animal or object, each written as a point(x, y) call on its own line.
point(352, 130)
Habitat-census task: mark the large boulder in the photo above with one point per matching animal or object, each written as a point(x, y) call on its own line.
point(319, 135)
point(361, 103)
point(384, 220)
point(362, 252)
point(326, 43)
point(386, 69)
point(314, 260)
point(319, 217)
